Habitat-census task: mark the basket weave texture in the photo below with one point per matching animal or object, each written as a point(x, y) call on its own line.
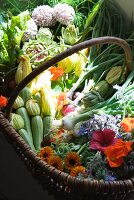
point(62, 185)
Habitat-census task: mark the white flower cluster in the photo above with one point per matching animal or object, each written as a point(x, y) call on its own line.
point(64, 13)
point(45, 16)
point(31, 30)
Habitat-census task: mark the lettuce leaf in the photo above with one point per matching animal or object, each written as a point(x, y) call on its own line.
point(11, 34)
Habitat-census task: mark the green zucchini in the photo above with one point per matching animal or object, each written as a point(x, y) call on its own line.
point(17, 121)
point(37, 129)
point(23, 113)
point(24, 134)
point(47, 124)
point(25, 94)
point(32, 107)
point(18, 103)
point(37, 97)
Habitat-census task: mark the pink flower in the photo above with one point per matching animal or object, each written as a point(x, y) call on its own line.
point(102, 139)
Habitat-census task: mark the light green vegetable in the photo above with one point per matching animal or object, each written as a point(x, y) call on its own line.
point(37, 130)
point(11, 35)
point(24, 134)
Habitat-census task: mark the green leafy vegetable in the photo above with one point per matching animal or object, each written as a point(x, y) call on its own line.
point(11, 34)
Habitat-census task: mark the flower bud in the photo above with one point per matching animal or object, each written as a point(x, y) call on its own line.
point(70, 34)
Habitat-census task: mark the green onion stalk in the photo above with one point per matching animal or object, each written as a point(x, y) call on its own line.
point(114, 106)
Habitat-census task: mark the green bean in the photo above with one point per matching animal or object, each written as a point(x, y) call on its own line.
point(96, 33)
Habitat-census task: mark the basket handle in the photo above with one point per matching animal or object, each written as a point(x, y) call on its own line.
point(78, 47)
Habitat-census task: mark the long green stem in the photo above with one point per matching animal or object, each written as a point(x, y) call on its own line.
point(81, 149)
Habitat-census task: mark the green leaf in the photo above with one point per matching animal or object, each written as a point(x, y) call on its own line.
point(3, 54)
point(93, 13)
point(11, 34)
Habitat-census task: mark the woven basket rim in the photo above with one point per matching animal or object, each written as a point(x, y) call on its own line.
point(62, 176)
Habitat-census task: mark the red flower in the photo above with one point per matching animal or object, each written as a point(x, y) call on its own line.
point(56, 72)
point(3, 101)
point(102, 139)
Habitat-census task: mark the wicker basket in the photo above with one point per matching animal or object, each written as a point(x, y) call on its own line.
point(60, 184)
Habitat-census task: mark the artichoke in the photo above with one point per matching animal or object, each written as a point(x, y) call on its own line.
point(70, 34)
point(44, 35)
point(92, 98)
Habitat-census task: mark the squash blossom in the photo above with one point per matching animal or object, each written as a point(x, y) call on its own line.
point(48, 101)
point(24, 68)
point(74, 62)
point(42, 80)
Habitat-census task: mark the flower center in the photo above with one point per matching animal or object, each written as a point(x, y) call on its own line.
point(112, 159)
point(72, 162)
point(45, 155)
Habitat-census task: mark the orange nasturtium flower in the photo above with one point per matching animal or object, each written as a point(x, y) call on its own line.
point(3, 101)
point(56, 72)
point(127, 124)
point(115, 153)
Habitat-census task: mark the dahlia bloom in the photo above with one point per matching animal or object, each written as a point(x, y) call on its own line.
point(102, 139)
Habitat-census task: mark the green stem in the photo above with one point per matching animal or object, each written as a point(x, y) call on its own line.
point(57, 30)
point(17, 9)
point(81, 149)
